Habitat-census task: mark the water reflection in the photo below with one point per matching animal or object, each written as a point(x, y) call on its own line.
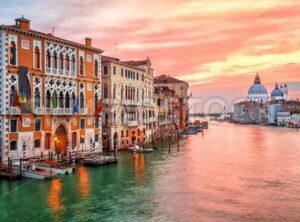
point(83, 185)
point(54, 199)
point(139, 169)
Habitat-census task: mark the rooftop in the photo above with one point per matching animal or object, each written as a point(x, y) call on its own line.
point(165, 79)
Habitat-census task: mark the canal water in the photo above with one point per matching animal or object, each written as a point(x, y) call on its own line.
point(231, 173)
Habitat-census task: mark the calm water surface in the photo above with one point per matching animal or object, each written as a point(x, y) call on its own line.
point(231, 173)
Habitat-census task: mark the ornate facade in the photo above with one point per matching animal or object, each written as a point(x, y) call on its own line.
point(50, 88)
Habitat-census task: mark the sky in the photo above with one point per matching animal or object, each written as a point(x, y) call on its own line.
point(217, 46)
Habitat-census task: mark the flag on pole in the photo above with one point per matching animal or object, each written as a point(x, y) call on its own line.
point(99, 108)
point(76, 107)
point(24, 89)
point(16, 101)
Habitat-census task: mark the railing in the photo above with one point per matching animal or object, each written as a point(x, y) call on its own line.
point(67, 73)
point(54, 71)
point(15, 110)
point(48, 70)
point(61, 72)
point(38, 110)
point(83, 111)
point(133, 123)
point(48, 111)
point(72, 73)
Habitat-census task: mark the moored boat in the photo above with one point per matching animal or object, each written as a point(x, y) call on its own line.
point(139, 149)
point(29, 170)
point(53, 166)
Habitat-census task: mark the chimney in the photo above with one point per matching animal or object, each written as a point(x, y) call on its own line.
point(23, 23)
point(88, 42)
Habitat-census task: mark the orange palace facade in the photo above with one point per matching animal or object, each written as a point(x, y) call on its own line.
point(50, 93)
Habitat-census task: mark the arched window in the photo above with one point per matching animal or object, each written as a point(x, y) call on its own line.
point(12, 95)
point(133, 94)
point(126, 93)
point(37, 57)
point(73, 63)
point(81, 100)
point(67, 63)
point(12, 54)
point(122, 117)
point(106, 118)
point(37, 98)
point(122, 92)
point(96, 68)
point(105, 94)
point(114, 91)
point(61, 61)
point(137, 95)
point(55, 60)
point(73, 100)
point(115, 117)
point(67, 103)
point(96, 100)
point(81, 65)
point(48, 99)
point(48, 59)
point(61, 100)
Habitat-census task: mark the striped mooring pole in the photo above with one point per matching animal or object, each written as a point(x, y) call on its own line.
point(24, 150)
point(68, 153)
point(73, 156)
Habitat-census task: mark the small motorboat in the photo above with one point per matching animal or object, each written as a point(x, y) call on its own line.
point(53, 166)
point(29, 170)
point(139, 149)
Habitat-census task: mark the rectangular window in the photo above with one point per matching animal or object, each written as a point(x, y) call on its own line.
point(122, 72)
point(37, 125)
point(13, 145)
point(115, 70)
point(122, 133)
point(137, 76)
point(105, 70)
point(37, 143)
point(82, 123)
point(81, 139)
point(96, 137)
point(96, 123)
point(13, 125)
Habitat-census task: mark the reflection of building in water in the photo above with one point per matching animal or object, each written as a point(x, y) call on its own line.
point(54, 199)
point(139, 167)
point(83, 181)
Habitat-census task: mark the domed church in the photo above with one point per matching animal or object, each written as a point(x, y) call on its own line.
point(280, 93)
point(258, 92)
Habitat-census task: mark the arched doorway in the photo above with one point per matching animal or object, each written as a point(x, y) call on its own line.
point(60, 139)
point(115, 140)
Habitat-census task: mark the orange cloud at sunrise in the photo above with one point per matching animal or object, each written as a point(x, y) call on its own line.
point(215, 45)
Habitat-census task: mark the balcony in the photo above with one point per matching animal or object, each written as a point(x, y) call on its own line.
point(48, 70)
point(38, 111)
point(54, 71)
point(57, 111)
point(48, 111)
point(83, 111)
point(133, 123)
point(110, 101)
point(61, 72)
point(15, 111)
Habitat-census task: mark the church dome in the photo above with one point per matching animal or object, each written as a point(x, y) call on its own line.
point(276, 92)
point(257, 87)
